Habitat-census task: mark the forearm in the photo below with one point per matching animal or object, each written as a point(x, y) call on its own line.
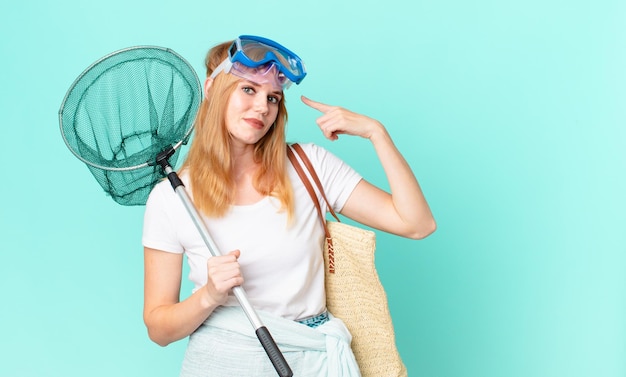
point(405, 212)
point(172, 322)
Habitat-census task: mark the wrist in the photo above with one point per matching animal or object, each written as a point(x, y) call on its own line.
point(207, 301)
point(379, 133)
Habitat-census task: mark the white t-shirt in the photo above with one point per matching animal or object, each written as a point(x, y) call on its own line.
point(282, 264)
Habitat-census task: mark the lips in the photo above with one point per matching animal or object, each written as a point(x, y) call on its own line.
point(255, 123)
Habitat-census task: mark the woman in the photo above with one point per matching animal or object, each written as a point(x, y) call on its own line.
point(263, 221)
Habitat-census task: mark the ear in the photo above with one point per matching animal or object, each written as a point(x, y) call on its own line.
point(207, 84)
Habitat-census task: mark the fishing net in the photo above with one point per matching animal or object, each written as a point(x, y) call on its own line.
point(125, 110)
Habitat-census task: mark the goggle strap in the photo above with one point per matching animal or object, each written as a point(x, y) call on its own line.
point(225, 66)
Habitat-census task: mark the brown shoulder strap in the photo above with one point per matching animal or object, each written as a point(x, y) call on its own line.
point(309, 166)
point(311, 191)
point(309, 188)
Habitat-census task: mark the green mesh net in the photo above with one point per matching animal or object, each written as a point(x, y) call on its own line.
point(125, 110)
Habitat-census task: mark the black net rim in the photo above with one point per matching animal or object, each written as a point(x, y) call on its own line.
point(104, 59)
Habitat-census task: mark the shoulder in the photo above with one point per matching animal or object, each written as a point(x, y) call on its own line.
point(319, 155)
point(163, 192)
point(338, 179)
point(158, 196)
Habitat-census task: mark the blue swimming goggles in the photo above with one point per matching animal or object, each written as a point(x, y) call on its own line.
point(262, 60)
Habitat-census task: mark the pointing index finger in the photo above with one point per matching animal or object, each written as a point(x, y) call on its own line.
point(324, 108)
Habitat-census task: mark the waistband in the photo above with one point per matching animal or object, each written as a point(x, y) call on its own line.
point(316, 320)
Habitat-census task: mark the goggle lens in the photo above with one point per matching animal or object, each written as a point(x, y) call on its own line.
point(260, 52)
point(265, 73)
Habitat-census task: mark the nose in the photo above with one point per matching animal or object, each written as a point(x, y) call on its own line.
point(260, 103)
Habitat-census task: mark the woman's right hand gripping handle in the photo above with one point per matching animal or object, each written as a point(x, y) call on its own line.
point(166, 317)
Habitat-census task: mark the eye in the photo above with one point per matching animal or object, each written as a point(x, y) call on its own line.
point(273, 99)
point(248, 89)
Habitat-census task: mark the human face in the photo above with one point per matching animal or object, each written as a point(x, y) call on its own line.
point(252, 109)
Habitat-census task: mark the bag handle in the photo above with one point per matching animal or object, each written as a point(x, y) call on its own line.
point(311, 191)
point(318, 183)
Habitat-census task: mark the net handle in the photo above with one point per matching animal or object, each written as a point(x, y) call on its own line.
point(262, 333)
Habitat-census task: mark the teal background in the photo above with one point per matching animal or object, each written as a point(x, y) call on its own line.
point(511, 113)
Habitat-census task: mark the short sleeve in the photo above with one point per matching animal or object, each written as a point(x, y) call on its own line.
point(338, 178)
point(159, 231)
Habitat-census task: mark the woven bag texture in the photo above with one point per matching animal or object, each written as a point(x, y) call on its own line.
point(355, 294)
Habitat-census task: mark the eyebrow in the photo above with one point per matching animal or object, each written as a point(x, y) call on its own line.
point(275, 92)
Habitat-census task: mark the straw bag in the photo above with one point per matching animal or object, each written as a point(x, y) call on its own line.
point(353, 290)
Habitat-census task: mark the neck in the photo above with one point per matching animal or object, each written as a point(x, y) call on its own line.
point(243, 164)
point(244, 170)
